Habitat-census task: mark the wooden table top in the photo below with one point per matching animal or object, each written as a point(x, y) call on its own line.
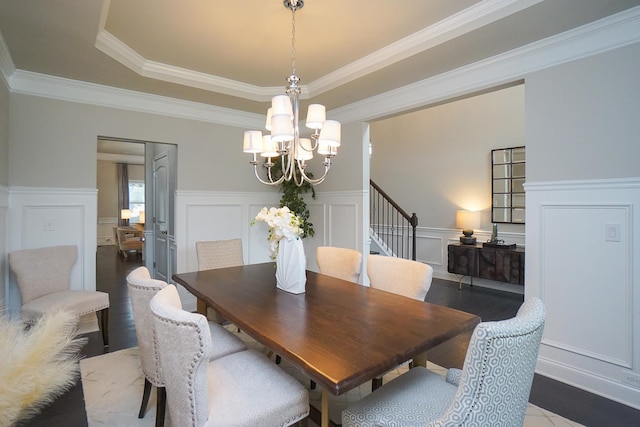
point(340, 334)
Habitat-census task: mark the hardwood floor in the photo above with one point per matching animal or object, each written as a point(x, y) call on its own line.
point(569, 402)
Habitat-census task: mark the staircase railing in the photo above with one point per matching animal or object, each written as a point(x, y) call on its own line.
point(391, 224)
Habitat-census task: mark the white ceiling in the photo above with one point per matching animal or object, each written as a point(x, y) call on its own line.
point(237, 54)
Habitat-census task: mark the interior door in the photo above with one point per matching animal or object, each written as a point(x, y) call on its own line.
point(161, 174)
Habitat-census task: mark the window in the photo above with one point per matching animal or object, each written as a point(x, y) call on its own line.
point(136, 199)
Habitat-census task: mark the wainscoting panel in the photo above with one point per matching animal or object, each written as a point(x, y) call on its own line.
point(581, 238)
point(218, 215)
point(42, 217)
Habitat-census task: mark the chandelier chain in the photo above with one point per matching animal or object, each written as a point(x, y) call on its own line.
point(293, 40)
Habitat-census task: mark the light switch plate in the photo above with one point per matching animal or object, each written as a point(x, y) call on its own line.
point(612, 232)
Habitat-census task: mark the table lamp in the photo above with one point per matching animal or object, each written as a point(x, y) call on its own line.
point(125, 214)
point(467, 221)
point(141, 217)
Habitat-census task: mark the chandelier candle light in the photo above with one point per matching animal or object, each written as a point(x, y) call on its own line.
point(285, 141)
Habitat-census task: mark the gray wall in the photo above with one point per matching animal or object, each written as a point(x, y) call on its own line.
point(583, 118)
point(437, 160)
point(53, 144)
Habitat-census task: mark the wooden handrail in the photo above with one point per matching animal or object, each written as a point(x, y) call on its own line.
point(390, 237)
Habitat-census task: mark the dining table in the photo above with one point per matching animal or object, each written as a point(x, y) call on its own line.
point(338, 333)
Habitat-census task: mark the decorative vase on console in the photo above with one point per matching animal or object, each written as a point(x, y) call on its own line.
point(286, 248)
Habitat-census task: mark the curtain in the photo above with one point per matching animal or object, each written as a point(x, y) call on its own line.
point(123, 189)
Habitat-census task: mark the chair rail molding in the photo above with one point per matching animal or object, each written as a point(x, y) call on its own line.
point(49, 216)
point(581, 241)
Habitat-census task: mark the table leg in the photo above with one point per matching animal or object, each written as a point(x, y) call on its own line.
point(201, 307)
point(325, 409)
point(420, 360)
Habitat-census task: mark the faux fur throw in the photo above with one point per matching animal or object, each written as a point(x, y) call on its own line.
point(36, 365)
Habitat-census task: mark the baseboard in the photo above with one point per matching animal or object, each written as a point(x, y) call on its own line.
point(605, 387)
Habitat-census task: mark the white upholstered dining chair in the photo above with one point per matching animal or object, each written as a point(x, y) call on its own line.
point(492, 389)
point(240, 389)
point(342, 263)
point(219, 254)
point(141, 289)
point(401, 276)
point(44, 279)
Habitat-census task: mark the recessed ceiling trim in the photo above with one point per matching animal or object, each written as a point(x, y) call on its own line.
point(476, 16)
point(609, 33)
point(116, 49)
point(463, 22)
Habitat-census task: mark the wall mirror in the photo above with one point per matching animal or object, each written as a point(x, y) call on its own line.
point(507, 185)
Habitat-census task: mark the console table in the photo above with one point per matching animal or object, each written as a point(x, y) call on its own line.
point(501, 264)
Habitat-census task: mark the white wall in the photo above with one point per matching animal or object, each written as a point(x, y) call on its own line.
point(443, 154)
point(583, 220)
point(437, 160)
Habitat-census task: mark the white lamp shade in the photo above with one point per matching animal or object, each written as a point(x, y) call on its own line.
point(125, 214)
point(268, 122)
point(467, 220)
point(252, 141)
point(326, 150)
point(269, 147)
point(141, 217)
point(281, 127)
point(315, 116)
point(304, 149)
point(281, 104)
point(330, 133)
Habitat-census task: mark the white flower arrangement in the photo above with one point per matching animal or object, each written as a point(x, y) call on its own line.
point(282, 224)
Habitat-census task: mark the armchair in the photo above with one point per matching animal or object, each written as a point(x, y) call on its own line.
point(491, 389)
point(44, 280)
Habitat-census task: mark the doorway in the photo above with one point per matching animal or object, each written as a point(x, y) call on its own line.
point(144, 163)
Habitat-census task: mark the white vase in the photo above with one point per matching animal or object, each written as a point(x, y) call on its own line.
point(291, 265)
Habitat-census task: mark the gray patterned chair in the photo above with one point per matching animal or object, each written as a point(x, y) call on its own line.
point(342, 263)
point(240, 389)
point(492, 389)
point(44, 280)
point(141, 289)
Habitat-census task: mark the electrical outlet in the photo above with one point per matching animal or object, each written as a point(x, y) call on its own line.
point(612, 232)
point(631, 379)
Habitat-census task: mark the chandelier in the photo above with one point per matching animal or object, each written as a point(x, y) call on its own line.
point(284, 141)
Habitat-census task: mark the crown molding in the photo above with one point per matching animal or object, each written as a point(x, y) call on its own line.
point(474, 17)
point(28, 83)
point(116, 49)
point(610, 33)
